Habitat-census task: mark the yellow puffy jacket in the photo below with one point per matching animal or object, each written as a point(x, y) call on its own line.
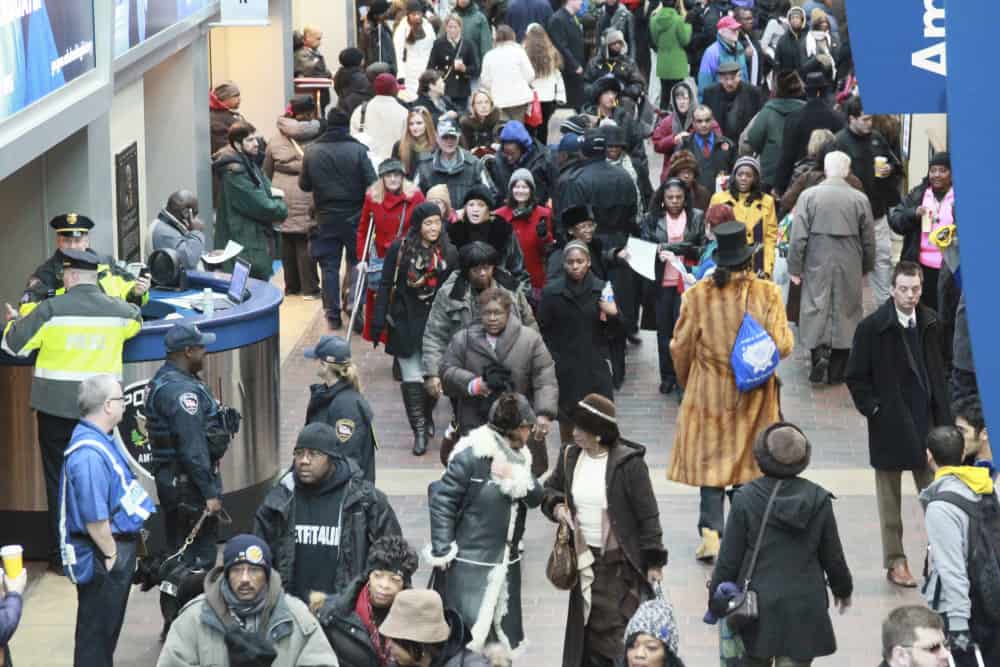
point(761, 219)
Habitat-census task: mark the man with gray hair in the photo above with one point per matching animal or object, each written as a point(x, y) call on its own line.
point(102, 509)
point(832, 247)
point(77, 334)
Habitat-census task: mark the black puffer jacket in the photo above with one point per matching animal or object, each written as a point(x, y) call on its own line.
point(622, 67)
point(459, 178)
point(336, 169)
point(367, 516)
point(800, 555)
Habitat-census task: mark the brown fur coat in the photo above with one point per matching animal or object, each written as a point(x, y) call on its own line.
point(717, 424)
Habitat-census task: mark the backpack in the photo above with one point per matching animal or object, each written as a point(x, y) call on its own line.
point(983, 560)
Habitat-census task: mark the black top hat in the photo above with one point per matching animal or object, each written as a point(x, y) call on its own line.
point(733, 249)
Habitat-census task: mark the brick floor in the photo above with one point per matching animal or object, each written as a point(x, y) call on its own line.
point(826, 414)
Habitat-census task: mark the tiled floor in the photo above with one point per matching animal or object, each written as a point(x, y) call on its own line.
point(826, 414)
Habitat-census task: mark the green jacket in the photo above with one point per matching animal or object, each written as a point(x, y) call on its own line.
point(247, 211)
point(765, 134)
point(669, 35)
point(476, 29)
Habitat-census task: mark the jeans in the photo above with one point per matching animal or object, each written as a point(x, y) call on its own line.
point(711, 509)
point(881, 276)
point(668, 307)
point(329, 263)
point(411, 367)
point(101, 609)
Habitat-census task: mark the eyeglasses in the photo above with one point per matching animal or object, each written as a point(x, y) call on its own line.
point(116, 398)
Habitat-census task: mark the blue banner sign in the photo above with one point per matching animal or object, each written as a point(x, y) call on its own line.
point(899, 54)
point(972, 99)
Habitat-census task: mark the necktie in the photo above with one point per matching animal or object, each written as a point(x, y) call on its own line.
point(911, 323)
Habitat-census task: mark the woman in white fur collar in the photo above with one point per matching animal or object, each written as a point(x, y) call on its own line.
point(478, 511)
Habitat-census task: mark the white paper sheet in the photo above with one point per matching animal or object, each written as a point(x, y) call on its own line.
point(219, 256)
point(642, 257)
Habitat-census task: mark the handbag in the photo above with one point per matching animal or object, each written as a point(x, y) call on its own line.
point(373, 274)
point(534, 116)
point(744, 609)
point(561, 569)
point(755, 355)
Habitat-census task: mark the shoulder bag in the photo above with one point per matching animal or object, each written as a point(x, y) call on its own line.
point(561, 568)
point(390, 320)
point(755, 357)
point(375, 263)
point(743, 609)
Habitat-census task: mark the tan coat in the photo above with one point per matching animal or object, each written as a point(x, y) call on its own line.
point(717, 424)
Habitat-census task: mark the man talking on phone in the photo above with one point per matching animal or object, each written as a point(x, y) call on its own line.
point(178, 227)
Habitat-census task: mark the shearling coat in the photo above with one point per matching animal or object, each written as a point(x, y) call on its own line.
point(632, 525)
point(832, 247)
point(519, 349)
point(283, 164)
point(717, 424)
point(477, 522)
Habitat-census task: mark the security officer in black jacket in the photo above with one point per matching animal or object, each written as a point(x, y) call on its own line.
point(338, 402)
point(189, 432)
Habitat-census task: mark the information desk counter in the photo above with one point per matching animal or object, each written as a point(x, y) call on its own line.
point(242, 370)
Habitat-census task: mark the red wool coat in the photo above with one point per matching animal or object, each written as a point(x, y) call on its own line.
point(385, 211)
point(534, 248)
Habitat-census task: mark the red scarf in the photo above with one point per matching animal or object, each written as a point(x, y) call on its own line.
point(363, 608)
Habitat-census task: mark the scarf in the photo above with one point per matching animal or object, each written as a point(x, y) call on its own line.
point(819, 43)
point(424, 266)
point(246, 614)
point(363, 608)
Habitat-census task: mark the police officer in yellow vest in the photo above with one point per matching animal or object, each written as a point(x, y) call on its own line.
point(73, 233)
point(77, 334)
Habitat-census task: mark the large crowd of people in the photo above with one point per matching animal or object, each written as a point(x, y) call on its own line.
point(492, 243)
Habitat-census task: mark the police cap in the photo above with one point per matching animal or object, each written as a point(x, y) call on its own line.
point(85, 260)
point(183, 336)
point(71, 224)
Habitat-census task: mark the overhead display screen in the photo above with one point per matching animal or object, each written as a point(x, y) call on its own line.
point(44, 44)
point(138, 20)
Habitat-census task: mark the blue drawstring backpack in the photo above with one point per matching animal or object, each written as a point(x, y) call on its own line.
point(755, 355)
